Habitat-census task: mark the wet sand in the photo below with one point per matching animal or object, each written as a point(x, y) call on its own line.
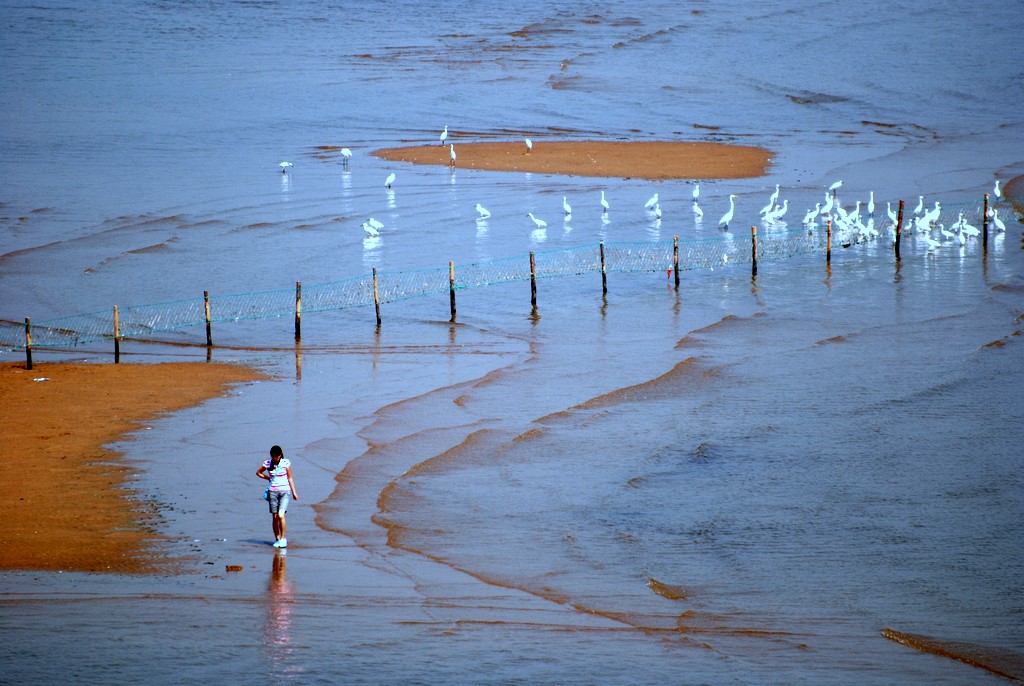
point(72, 510)
point(642, 160)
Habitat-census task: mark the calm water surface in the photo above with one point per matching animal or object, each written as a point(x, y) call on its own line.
point(743, 481)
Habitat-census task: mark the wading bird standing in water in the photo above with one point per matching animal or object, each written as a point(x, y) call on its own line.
point(541, 224)
point(284, 167)
point(727, 217)
point(390, 180)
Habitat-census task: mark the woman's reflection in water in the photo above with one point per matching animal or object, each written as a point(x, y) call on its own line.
point(277, 627)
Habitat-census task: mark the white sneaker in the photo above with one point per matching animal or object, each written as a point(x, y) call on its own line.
point(283, 543)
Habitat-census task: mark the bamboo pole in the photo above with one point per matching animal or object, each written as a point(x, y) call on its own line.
point(376, 296)
point(28, 343)
point(675, 259)
point(604, 273)
point(899, 230)
point(984, 224)
point(828, 241)
point(533, 280)
point(117, 337)
point(753, 251)
point(209, 329)
point(298, 311)
point(451, 287)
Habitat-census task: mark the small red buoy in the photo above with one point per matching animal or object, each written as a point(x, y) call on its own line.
point(668, 273)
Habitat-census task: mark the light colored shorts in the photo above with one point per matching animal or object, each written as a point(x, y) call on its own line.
point(279, 501)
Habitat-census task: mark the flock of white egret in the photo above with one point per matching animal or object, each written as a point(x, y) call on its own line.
point(850, 226)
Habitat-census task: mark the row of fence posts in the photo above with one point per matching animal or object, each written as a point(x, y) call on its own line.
point(533, 283)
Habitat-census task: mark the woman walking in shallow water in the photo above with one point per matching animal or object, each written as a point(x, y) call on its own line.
point(278, 471)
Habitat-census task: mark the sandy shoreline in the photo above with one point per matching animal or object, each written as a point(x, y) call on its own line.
point(72, 511)
point(645, 160)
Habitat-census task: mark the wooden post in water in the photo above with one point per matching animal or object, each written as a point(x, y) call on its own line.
point(298, 311)
point(209, 329)
point(828, 240)
point(28, 343)
point(675, 259)
point(451, 287)
point(533, 280)
point(117, 337)
point(753, 251)
point(899, 230)
point(376, 296)
point(984, 224)
point(604, 273)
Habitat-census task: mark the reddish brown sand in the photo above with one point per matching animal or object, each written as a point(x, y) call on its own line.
point(71, 511)
point(68, 507)
point(645, 160)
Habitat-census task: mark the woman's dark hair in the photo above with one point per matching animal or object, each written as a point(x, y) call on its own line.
point(276, 451)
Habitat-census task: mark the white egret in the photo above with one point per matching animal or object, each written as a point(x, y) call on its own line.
point(346, 154)
point(284, 167)
point(829, 201)
point(854, 217)
point(782, 211)
point(835, 187)
point(775, 196)
point(604, 202)
point(444, 135)
point(997, 191)
point(932, 215)
point(451, 155)
point(842, 213)
point(375, 224)
point(696, 191)
point(920, 205)
point(767, 209)
point(541, 224)
point(871, 203)
point(390, 180)
point(889, 212)
point(1000, 226)
point(727, 217)
point(482, 211)
point(652, 202)
point(657, 211)
point(529, 146)
point(812, 214)
point(370, 231)
point(566, 206)
point(697, 211)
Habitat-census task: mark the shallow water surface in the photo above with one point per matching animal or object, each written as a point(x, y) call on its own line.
point(742, 481)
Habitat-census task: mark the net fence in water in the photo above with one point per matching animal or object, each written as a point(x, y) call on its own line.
point(773, 244)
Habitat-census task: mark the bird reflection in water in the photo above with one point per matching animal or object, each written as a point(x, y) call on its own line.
point(277, 647)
